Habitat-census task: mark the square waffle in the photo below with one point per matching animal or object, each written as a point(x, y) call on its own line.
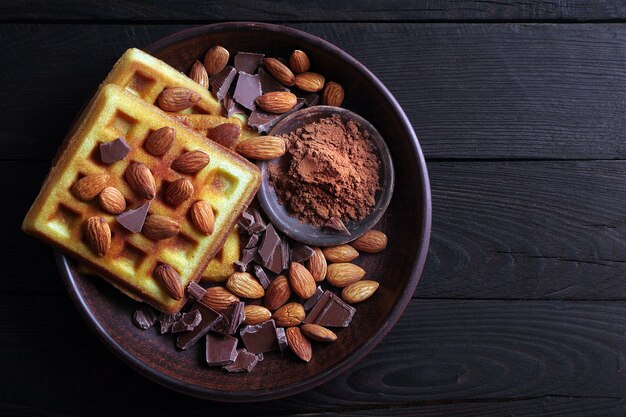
point(228, 183)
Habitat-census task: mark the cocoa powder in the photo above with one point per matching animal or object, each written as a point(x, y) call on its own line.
point(330, 170)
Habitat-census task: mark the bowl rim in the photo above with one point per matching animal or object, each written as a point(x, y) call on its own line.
point(357, 354)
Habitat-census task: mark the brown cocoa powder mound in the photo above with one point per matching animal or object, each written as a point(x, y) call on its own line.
point(330, 170)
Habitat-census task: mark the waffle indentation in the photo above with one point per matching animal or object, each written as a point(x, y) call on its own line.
point(64, 220)
point(220, 183)
point(183, 243)
point(141, 85)
point(132, 256)
point(121, 123)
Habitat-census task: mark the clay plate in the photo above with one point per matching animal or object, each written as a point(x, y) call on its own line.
point(407, 222)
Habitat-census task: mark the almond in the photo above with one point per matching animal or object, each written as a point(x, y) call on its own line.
point(340, 253)
point(215, 60)
point(112, 200)
point(318, 333)
point(141, 180)
point(291, 314)
point(299, 61)
point(317, 265)
point(157, 227)
point(177, 99)
point(343, 274)
point(219, 298)
point(245, 285)
point(373, 241)
point(277, 101)
point(98, 234)
point(170, 280)
point(178, 191)
point(333, 94)
point(160, 141)
point(359, 291)
point(202, 217)
point(262, 147)
point(301, 281)
point(280, 71)
point(88, 187)
point(256, 314)
point(299, 344)
point(311, 82)
point(278, 293)
point(225, 134)
point(191, 162)
point(198, 74)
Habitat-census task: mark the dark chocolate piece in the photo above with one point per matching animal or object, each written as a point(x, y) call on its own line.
point(144, 317)
point(114, 151)
point(263, 122)
point(253, 241)
point(187, 322)
point(261, 337)
point(230, 107)
point(330, 311)
point(276, 263)
point(269, 83)
point(285, 254)
point(246, 220)
point(311, 301)
point(247, 62)
point(221, 82)
point(310, 99)
point(167, 321)
point(195, 291)
point(259, 224)
point(248, 255)
point(244, 362)
point(301, 253)
point(261, 276)
point(210, 318)
point(133, 219)
point(247, 90)
point(220, 350)
point(336, 225)
point(232, 318)
point(240, 266)
point(282, 340)
point(270, 242)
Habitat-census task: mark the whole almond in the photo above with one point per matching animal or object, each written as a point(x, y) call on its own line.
point(301, 281)
point(170, 280)
point(262, 147)
point(256, 314)
point(219, 298)
point(141, 180)
point(215, 60)
point(373, 241)
point(280, 71)
point(277, 101)
point(98, 234)
point(299, 344)
point(299, 61)
point(225, 134)
point(191, 162)
point(198, 74)
point(245, 285)
point(177, 98)
point(112, 200)
point(157, 227)
point(202, 217)
point(291, 314)
point(333, 94)
point(359, 291)
point(317, 265)
point(278, 293)
point(311, 82)
point(318, 333)
point(160, 141)
point(178, 191)
point(89, 186)
point(340, 253)
point(343, 274)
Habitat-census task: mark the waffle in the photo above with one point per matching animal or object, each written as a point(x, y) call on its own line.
point(222, 265)
point(228, 183)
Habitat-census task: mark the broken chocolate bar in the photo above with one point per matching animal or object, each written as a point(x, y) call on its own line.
point(281, 336)
point(195, 291)
point(231, 107)
point(187, 322)
point(133, 220)
point(144, 317)
point(220, 350)
point(311, 301)
point(261, 337)
point(301, 253)
point(210, 318)
point(330, 311)
point(220, 83)
point(167, 321)
point(262, 276)
point(232, 318)
point(263, 121)
point(114, 151)
point(247, 90)
point(247, 62)
point(269, 83)
point(270, 242)
point(244, 362)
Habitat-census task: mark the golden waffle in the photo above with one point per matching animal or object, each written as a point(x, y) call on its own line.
point(222, 265)
point(228, 183)
point(203, 123)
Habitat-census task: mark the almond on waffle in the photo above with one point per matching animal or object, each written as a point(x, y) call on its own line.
point(176, 242)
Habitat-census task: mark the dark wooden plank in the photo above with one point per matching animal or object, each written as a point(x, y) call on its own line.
point(475, 91)
point(439, 354)
point(266, 10)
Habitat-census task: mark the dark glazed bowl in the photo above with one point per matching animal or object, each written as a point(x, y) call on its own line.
point(407, 223)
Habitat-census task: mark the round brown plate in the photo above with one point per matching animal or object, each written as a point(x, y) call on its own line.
point(407, 223)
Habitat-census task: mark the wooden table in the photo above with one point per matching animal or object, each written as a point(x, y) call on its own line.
point(519, 107)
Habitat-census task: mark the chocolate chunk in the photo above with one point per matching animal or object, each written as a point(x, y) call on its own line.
point(330, 311)
point(240, 266)
point(253, 241)
point(195, 291)
point(246, 220)
point(276, 263)
point(231, 107)
point(187, 322)
point(247, 62)
point(282, 340)
point(301, 253)
point(311, 301)
point(248, 255)
point(232, 318)
point(167, 321)
point(263, 122)
point(244, 362)
point(261, 276)
point(247, 90)
point(261, 337)
point(220, 350)
point(310, 99)
point(114, 150)
point(268, 246)
point(144, 317)
point(133, 219)
point(259, 224)
point(221, 82)
point(210, 318)
point(336, 225)
point(269, 83)
point(285, 254)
